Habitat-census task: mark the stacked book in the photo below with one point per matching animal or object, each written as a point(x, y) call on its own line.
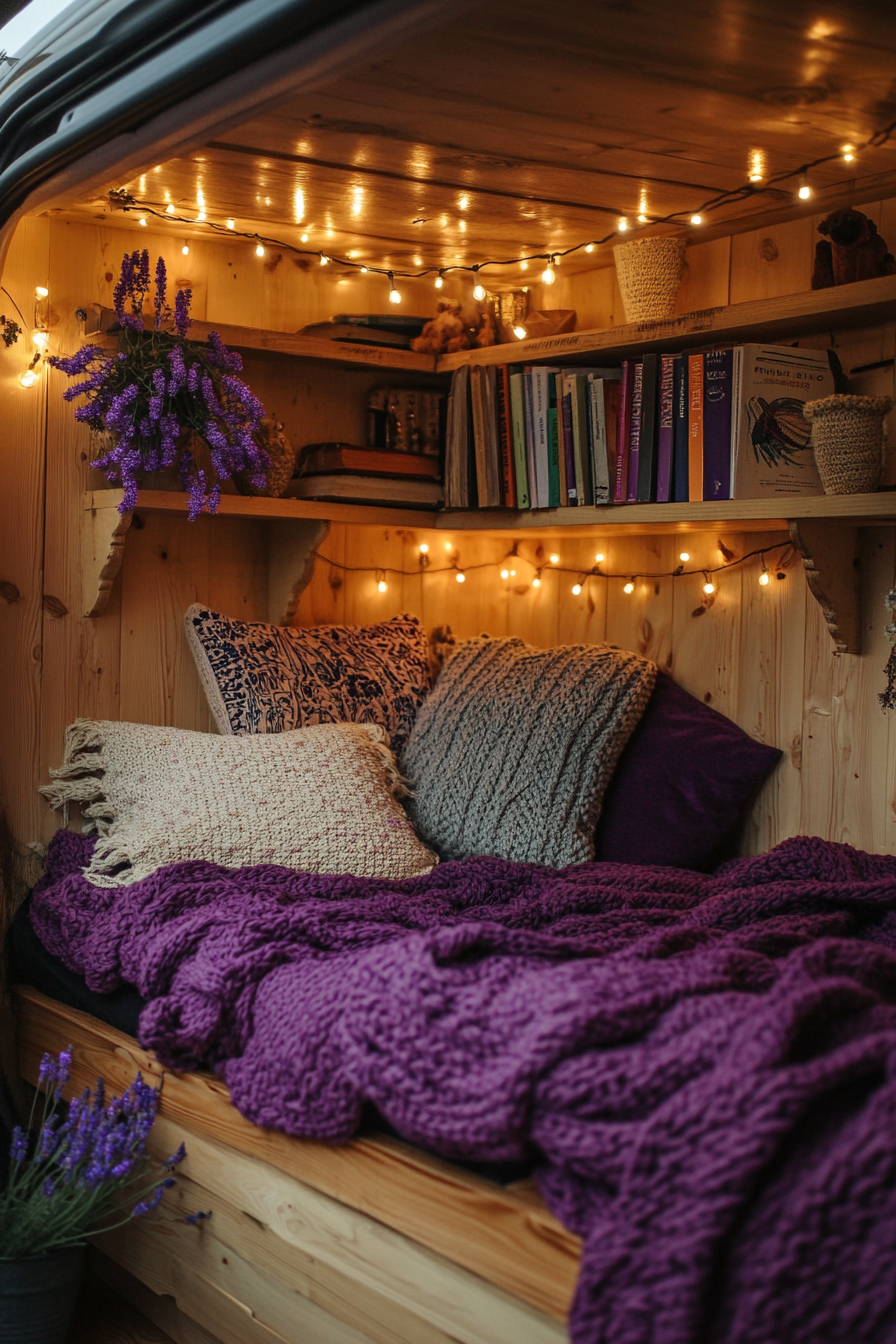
point(727, 424)
point(348, 473)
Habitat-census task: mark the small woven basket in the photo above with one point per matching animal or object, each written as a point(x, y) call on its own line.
point(283, 462)
point(848, 440)
point(649, 272)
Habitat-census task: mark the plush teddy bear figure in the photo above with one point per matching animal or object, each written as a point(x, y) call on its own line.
point(855, 251)
point(444, 333)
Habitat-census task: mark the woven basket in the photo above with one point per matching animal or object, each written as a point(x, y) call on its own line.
point(848, 440)
point(649, 272)
point(283, 462)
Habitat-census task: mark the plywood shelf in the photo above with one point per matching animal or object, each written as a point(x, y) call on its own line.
point(256, 506)
point(864, 303)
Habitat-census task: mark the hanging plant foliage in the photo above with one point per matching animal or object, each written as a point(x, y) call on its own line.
point(159, 389)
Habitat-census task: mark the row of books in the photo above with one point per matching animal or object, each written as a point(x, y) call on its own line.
point(723, 424)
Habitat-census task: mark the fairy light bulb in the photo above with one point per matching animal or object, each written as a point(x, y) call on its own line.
point(520, 333)
point(324, 259)
point(28, 378)
point(554, 559)
point(708, 586)
point(478, 292)
point(304, 238)
point(185, 250)
point(685, 556)
point(200, 218)
point(460, 576)
point(169, 209)
point(848, 155)
point(40, 338)
point(628, 588)
point(805, 190)
point(756, 166)
point(642, 219)
point(259, 251)
point(394, 296)
point(424, 548)
point(382, 586)
point(505, 573)
point(589, 247)
point(448, 546)
point(143, 221)
point(231, 223)
point(548, 277)
point(576, 589)
point(363, 270)
point(41, 292)
point(536, 582)
point(622, 226)
point(440, 280)
point(524, 265)
point(600, 557)
point(696, 219)
point(764, 578)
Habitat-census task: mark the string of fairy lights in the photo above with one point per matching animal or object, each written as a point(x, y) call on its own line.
point(756, 184)
point(507, 570)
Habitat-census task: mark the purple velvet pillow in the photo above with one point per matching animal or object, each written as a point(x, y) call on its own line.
point(682, 785)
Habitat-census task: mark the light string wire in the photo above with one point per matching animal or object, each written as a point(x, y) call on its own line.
point(122, 199)
point(546, 567)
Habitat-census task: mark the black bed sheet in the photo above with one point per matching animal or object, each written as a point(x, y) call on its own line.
point(31, 964)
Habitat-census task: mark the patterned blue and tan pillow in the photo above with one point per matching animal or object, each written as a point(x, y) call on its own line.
point(263, 678)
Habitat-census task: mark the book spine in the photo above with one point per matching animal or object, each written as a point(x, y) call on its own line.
point(493, 443)
point(479, 441)
point(620, 493)
point(553, 459)
point(504, 436)
point(717, 424)
point(540, 378)
point(634, 436)
point(680, 431)
point(612, 402)
point(579, 434)
point(568, 443)
point(600, 457)
point(528, 395)
point(557, 402)
point(647, 437)
point(518, 422)
point(737, 384)
point(665, 423)
point(695, 427)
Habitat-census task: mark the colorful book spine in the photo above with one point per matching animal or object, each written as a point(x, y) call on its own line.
point(528, 395)
point(557, 399)
point(695, 427)
point(665, 429)
point(505, 436)
point(479, 435)
point(647, 437)
point(553, 458)
point(717, 368)
point(634, 437)
point(680, 432)
point(581, 437)
point(612, 403)
point(518, 429)
point(540, 380)
point(568, 446)
point(620, 493)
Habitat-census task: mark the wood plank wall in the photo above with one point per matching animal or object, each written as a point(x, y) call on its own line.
point(761, 656)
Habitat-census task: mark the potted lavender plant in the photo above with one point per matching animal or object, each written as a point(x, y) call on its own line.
point(160, 390)
point(85, 1171)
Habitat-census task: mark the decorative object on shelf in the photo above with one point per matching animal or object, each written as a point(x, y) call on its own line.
point(511, 311)
point(75, 1177)
point(405, 419)
point(851, 249)
point(550, 322)
point(160, 389)
point(281, 462)
point(445, 333)
point(887, 698)
point(848, 439)
point(649, 272)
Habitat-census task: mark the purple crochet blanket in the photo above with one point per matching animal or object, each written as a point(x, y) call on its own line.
point(705, 1067)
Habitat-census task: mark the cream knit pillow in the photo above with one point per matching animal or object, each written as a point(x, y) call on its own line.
point(322, 799)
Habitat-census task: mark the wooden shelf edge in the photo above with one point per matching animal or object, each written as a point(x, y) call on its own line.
point(256, 506)
point(865, 302)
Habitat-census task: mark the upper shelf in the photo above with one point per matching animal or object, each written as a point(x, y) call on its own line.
point(863, 303)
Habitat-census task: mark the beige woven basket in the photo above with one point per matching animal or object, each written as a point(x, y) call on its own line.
point(649, 272)
point(848, 440)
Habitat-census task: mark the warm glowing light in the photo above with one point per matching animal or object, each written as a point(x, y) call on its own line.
point(439, 280)
point(463, 202)
point(576, 589)
point(200, 218)
point(524, 265)
point(848, 154)
point(805, 191)
point(169, 209)
point(363, 270)
point(629, 588)
point(354, 252)
point(600, 557)
point(143, 221)
point(520, 333)
point(231, 223)
point(554, 559)
point(536, 582)
point(424, 548)
point(756, 166)
point(186, 249)
point(394, 296)
point(259, 251)
point(696, 219)
point(40, 339)
point(448, 546)
point(41, 291)
point(513, 573)
point(357, 201)
point(505, 573)
point(28, 378)
point(709, 587)
point(304, 237)
point(589, 247)
point(478, 292)
point(462, 226)
point(382, 586)
point(622, 226)
point(642, 219)
point(418, 261)
point(461, 576)
point(685, 556)
point(764, 578)
point(548, 277)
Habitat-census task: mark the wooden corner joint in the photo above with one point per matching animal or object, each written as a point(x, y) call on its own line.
point(103, 532)
point(830, 552)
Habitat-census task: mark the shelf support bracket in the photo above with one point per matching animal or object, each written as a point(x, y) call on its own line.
point(831, 555)
point(102, 550)
point(292, 551)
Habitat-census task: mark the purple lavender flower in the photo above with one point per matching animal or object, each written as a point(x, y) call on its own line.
point(158, 302)
point(194, 1219)
point(182, 311)
point(148, 1205)
point(19, 1148)
point(176, 1158)
point(49, 1188)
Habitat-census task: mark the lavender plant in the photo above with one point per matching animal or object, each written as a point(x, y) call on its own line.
point(86, 1171)
point(159, 389)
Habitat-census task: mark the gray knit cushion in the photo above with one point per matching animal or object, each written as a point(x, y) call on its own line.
point(513, 750)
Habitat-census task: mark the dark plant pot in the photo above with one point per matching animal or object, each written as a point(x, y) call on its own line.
point(38, 1295)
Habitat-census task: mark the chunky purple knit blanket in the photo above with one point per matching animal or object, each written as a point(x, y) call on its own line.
point(704, 1067)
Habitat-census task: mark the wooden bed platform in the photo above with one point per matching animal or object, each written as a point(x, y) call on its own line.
point(310, 1243)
